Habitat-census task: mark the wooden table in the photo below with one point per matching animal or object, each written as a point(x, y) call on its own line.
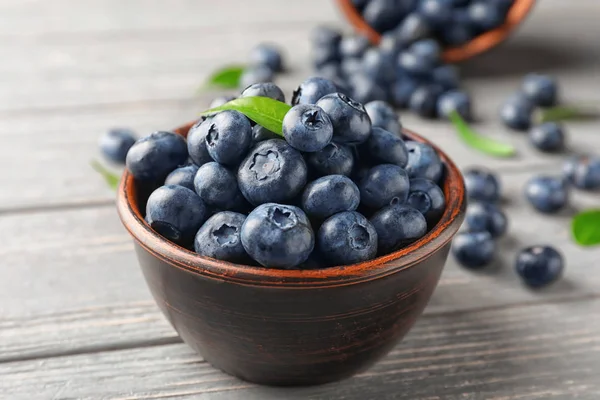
point(76, 319)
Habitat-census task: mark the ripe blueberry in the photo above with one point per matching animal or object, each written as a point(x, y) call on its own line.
point(549, 137)
point(486, 217)
point(516, 112)
point(265, 89)
point(423, 162)
point(329, 195)
point(539, 266)
point(334, 159)
point(583, 172)
point(413, 28)
point(353, 46)
point(307, 128)
point(196, 141)
point(366, 89)
point(382, 15)
point(256, 74)
point(116, 143)
point(153, 157)
point(428, 198)
point(219, 237)
point(351, 123)
point(183, 176)
point(547, 194)
point(436, 12)
point(383, 116)
point(424, 100)
point(382, 184)
point(228, 138)
point(385, 147)
point(474, 250)
point(218, 188)
point(268, 55)
point(454, 100)
point(397, 226)
point(312, 89)
point(260, 133)
point(347, 238)
point(402, 91)
point(482, 185)
point(540, 89)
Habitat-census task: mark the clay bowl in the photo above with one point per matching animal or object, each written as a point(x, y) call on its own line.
point(482, 43)
point(292, 327)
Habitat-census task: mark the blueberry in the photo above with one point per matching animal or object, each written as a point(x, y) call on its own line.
point(516, 113)
point(312, 89)
point(385, 147)
point(539, 266)
point(436, 12)
point(424, 100)
point(547, 194)
point(152, 158)
point(390, 45)
point(116, 143)
point(583, 172)
point(428, 49)
point(266, 89)
point(334, 159)
point(323, 56)
point(278, 236)
point(268, 55)
point(351, 66)
point(353, 46)
point(182, 176)
point(549, 137)
point(196, 141)
point(330, 195)
point(219, 237)
point(423, 162)
point(456, 34)
point(415, 64)
point(382, 115)
point(229, 137)
point(256, 74)
point(365, 89)
point(272, 172)
point(382, 184)
point(382, 15)
point(454, 100)
point(176, 213)
point(486, 217)
point(218, 188)
point(402, 90)
point(482, 185)
point(540, 89)
point(484, 16)
point(219, 101)
point(412, 28)
point(397, 226)
point(379, 66)
point(325, 36)
point(474, 250)
point(351, 123)
point(428, 198)
point(347, 238)
point(260, 133)
point(446, 76)
point(307, 128)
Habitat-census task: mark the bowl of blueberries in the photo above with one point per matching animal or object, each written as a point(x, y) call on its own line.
point(466, 28)
point(296, 258)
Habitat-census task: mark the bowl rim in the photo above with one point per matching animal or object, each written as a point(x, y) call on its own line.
point(480, 44)
point(408, 257)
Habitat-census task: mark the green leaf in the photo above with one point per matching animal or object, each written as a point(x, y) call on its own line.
point(262, 110)
point(586, 228)
point(112, 180)
point(566, 113)
point(225, 78)
point(483, 144)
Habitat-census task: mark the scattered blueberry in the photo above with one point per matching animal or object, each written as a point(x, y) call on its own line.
point(182, 176)
point(547, 194)
point(196, 141)
point(539, 266)
point(265, 89)
point(229, 137)
point(312, 89)
point(424, 100)
point(423, 162)
point(474, 250)
point(219, 237)
point(540, 89)
point(397, 226)
point(347, 238)
point(583, 172)
point(334, 159)
point(351, 123)
point(307, 128)
point(268, 55)
point(116, 143)
point(428, 198)
point(278, 235)
point(383, 184)
point(549, 137)
point(383, 116)
point(516, 113)
point(454, 100)
point(482, 185)
point(329, 195)
point(486, 217)
point(218, 188)
point(153, 157)
point(384, 147)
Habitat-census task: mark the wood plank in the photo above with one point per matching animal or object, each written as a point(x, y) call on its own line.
point(548, 351)
point(69, 280)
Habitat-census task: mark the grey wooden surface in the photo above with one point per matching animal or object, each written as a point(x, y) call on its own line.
point(76, 320)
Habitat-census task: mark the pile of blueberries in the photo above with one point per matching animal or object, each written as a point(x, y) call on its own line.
point(342, 186)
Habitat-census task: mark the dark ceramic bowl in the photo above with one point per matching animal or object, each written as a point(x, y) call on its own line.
point(292, 327)
point(482, 43)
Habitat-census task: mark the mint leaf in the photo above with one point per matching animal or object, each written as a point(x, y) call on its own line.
point(566, 113)
point(112, 180)
point(264, 111)
point(586, 227)
point(478, 142)
point(225, 78)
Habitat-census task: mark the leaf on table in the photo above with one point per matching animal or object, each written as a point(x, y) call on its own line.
point(264, 111)
point(566, 113)
point(483, 144)
point(586, 227)
point(225, 78)
point(112, 179)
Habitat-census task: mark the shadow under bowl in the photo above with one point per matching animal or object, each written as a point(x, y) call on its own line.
point(292, 327)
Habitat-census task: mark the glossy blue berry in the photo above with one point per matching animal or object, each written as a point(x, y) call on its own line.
point(428, 198)
point(456, 34)
point(384, 147)
point(542, 90)
point(484, 15)
point(347, 238)
point(273, 171)
point(219, 101)
point(278, 236)
point(334, 159)
point(379, 66)
point(486, 217)
point(365, 89)
point(415, 65)
point(390, 45)
point(383, 184)
point(454, 100)
point(312, 89)
point(383, 116)
point(548, 137)
point(256, 74)
point(329, 195)
point(539, 266)
point(412, 28)
point(176, 213)
point(353, 46)
point(446, 76)
point(264, 89)
point(436, 12)
point(260, 133)
point(516, 113)
point(397, 226)
point(427, 49)
point(218, 188)
point(474, 250)
point(219, 237)
point(229, 137)
point(307, 128)
point(583, 172)
point(350, 67)
point(382, 15)
point(351, 123)
point(153, 157)
point(196, 141)
point(402, 91)
point(423, 162)
point(183, 176)
point(547, 194)
point(424, 99)
point(115, 144)
point(267, 54)
point(482, 185)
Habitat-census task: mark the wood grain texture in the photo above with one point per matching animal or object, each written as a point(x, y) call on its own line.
point(501, 354)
